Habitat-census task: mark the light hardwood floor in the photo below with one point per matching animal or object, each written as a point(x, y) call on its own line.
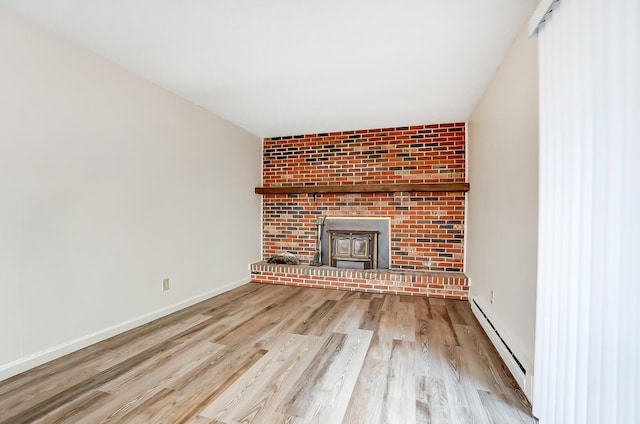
point(276, 354)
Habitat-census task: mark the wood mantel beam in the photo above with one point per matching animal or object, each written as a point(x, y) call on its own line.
point(366, 188)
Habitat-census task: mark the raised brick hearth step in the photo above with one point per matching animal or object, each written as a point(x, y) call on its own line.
point(451, 285)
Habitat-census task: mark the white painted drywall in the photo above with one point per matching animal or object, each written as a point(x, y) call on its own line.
point(108, 184)
point(502, 202)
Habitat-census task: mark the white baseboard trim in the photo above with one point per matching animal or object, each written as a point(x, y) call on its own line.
point(23, 364)
point(508, 350)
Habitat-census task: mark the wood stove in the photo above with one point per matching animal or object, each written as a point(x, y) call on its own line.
point(353, 249)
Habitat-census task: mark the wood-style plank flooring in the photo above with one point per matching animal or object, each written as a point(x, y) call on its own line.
point(277, 354)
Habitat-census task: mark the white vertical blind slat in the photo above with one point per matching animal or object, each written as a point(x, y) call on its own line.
point(587, 329)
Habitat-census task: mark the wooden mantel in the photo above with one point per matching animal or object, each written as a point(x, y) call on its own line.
point(366, 188)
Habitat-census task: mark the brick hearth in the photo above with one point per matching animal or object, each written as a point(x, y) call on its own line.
point(452, 285)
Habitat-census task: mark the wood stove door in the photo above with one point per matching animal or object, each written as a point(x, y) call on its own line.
point(352, 246)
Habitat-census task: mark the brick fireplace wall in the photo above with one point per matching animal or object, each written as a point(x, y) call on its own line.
point(427, 229)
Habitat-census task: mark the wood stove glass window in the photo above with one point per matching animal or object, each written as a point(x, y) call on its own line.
point(361, 247)
point(343, 246)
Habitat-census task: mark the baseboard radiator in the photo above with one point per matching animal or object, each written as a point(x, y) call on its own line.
point(515, 365)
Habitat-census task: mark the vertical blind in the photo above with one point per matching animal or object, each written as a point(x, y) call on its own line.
point(587, 356)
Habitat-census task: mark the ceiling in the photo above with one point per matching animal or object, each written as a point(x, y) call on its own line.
point(286, 67)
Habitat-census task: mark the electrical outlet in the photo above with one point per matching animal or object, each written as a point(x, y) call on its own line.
point(492, 297)
point(165, 284)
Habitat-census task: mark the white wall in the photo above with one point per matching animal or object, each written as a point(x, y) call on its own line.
point(108, 184)
point(502, 202)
